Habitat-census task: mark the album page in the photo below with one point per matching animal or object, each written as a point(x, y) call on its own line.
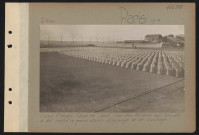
point(101, 68)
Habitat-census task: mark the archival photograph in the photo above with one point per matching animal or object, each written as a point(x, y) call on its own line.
point(112, 68)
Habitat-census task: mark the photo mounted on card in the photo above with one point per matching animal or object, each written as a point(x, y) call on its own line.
point(101, 67)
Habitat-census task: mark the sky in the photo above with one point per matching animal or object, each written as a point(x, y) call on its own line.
point(105, 32)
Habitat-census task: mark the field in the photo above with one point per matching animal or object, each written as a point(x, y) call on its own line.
point(94, 79)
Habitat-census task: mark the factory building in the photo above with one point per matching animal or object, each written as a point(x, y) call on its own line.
point(157, 41)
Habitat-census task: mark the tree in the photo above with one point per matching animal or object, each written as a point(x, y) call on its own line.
point(73, 36)
point(47, 36)
point(61, 37)
point(97, 38)
point(90, 40)
point(82, 39)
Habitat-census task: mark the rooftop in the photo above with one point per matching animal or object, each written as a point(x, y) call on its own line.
point(150, 35)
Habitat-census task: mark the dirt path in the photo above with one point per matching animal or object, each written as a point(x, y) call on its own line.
point(168, 98)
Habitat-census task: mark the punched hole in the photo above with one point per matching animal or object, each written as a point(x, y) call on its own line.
point(9, 46)
point(10, 32)
point(10, 102)
point(10, 89)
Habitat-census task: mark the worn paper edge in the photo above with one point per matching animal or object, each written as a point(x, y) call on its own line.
point(16, 67)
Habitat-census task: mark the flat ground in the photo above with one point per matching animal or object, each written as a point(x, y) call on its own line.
point(69, 84)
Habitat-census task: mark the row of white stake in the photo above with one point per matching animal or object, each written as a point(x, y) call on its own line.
point(162, 62)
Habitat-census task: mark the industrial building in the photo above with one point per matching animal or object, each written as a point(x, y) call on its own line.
point(157, 41)
point(153, 38)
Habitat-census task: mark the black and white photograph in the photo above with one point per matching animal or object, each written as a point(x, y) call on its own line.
point(112, 68)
